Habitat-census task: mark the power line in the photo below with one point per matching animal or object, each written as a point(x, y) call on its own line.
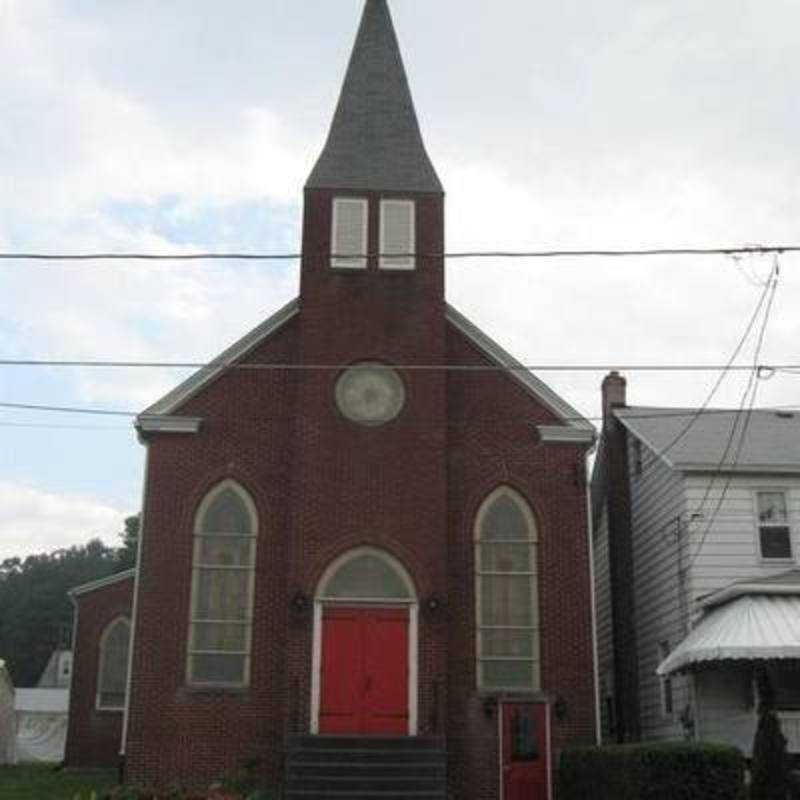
point(677, 413)
point(749, 398)
point(723, 374)
point(266, 366)
point(459, 255)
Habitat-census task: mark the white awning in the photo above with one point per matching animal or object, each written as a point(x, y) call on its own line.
point(752, 627)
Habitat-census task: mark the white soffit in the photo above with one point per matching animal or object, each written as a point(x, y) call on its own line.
point(543, 393)
point(170, 402)
point(752, 627)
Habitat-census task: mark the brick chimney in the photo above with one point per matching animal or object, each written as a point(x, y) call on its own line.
point(614, 393)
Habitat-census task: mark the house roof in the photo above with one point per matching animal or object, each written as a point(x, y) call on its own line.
point(783, 583)
point(374, 143)
point(771, 443)
point(750, 627)
point(102, 582)
point(574, 428)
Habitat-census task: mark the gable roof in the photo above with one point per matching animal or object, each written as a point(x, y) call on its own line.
point(535, 387)
point(581, 430)
point(374, 141)
point(101, 583)
point(171, 401)
point(771, 443)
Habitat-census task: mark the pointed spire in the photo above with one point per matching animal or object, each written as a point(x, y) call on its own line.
point(374, 143)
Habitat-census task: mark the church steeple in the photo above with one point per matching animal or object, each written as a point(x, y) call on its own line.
point(375, 143)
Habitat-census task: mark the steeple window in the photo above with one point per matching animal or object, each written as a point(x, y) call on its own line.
point(349, 235)
point(398, 234)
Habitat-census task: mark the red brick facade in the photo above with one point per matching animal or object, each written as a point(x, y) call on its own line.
point(93, 735)
point(323, 485)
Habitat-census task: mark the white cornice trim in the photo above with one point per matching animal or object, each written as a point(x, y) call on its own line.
point(148, 423)
point(102, 583)
point(170, 402)
point(525, 378)
point(561, 434)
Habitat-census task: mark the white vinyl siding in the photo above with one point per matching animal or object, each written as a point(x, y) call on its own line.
point(222, 589)
point(507, 595)
point(662, 589)
point(349, 239)
point(398, 234)
point(112, 673)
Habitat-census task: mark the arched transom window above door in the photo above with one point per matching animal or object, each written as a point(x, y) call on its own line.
point(507, 606)
point(226, 527)
point(364, 575)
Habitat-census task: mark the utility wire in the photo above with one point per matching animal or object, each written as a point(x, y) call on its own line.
point(233, 365)
point(749, 398)
point(469, 254)
point(723, 374)
point(469, 420)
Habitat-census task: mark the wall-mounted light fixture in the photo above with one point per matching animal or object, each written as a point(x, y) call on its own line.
point(300, 603)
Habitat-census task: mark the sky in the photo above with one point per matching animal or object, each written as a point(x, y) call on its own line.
point(138, 125)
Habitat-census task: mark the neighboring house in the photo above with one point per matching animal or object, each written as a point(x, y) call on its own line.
point(8, 728)
point(360, 551)
point(696, 547)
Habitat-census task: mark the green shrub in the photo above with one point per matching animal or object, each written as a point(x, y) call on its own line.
point(653, 771)
point(770, 760)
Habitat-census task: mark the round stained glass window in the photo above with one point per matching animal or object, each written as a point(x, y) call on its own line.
point(370, 393)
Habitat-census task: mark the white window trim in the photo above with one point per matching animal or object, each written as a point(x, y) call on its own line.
point(248, 620)
point(350, 262)
point(533, 542)
point(393, 263)
point(412, 604)
point(101, 663)
point(785, 491)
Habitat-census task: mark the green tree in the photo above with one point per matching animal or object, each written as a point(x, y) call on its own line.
point(770, 760)
point(130, 542)
point(35, 609)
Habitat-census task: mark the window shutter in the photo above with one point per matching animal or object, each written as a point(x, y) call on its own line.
point(349, 235)
point(398, 234)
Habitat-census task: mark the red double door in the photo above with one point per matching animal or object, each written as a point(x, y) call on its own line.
point(525, 751)
point(364, 675)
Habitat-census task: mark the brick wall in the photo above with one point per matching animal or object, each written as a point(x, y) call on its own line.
point(93, 736)
point(323, 485)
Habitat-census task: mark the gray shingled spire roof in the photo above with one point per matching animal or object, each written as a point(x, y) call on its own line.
point(374, 143)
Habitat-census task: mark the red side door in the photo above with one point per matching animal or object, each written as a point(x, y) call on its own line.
point(364, 681)
point(524, 751)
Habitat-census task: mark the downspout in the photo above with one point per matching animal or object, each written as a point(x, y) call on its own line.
point(598, 729)
point(136, 579)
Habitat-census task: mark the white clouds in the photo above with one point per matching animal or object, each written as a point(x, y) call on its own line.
point(34, 521)
point(150, 126)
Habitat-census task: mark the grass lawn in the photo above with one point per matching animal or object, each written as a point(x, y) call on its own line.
point(35, 782)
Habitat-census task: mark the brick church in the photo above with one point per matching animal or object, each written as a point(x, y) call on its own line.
point(369, 574)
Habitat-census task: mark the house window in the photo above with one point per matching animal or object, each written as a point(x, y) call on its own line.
point(222, 588)
point(506, 594)
point(773, 525)
point(112, 674)
point(667, 700)
point(349, 234)
point(398, 235)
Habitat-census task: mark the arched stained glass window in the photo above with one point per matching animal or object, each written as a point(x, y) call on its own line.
point(112, 674)
point(222, 588)
point(507, 594)
point(367, 575)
